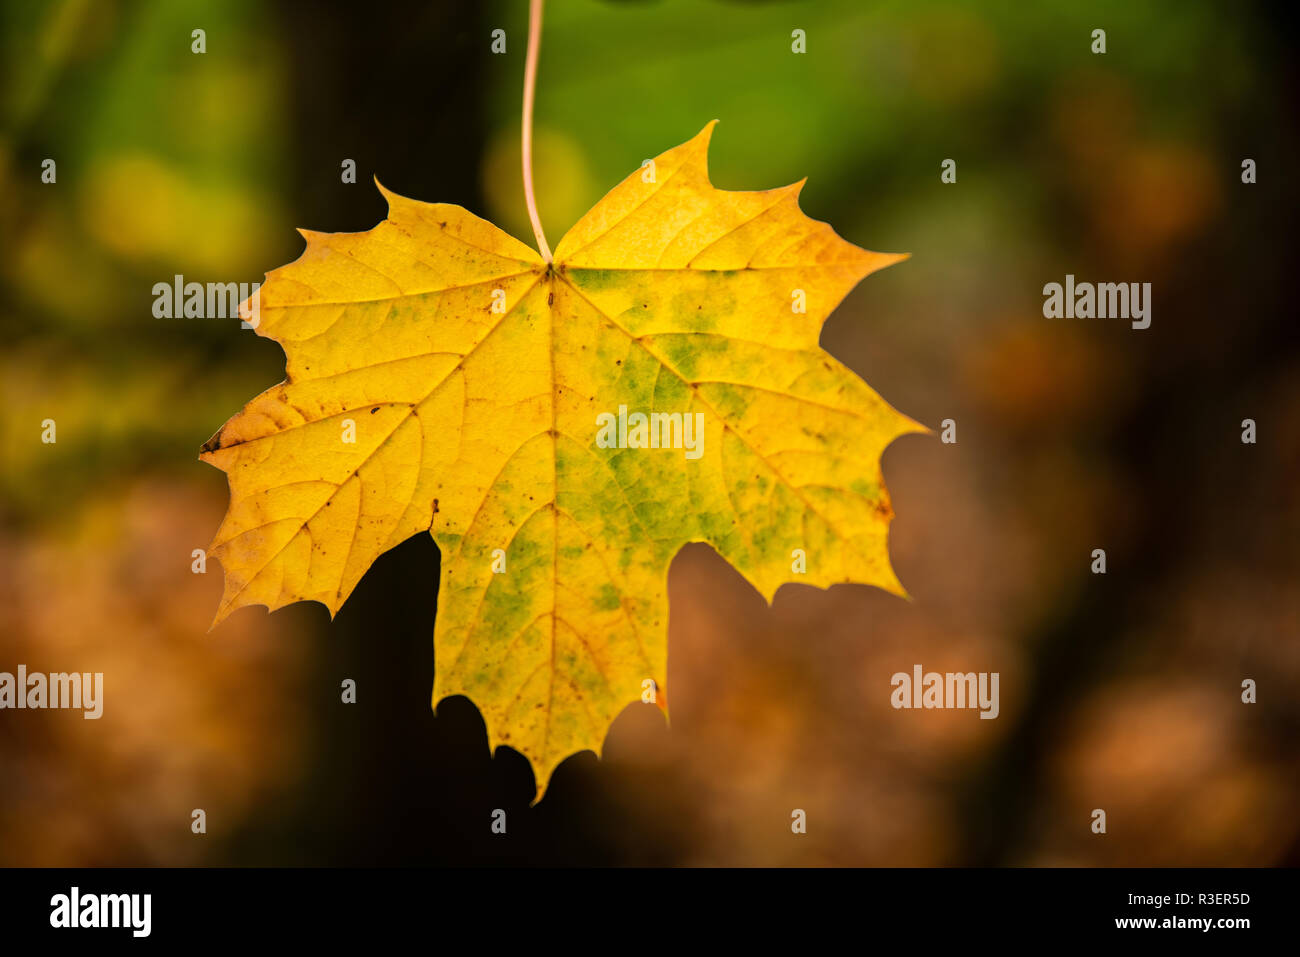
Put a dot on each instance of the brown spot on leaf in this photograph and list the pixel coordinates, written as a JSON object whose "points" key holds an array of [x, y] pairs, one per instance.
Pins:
{"points": [[214, 443]]}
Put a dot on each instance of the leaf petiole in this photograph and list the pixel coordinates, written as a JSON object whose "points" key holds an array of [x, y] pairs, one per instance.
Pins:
{"points": [[530, 86]]}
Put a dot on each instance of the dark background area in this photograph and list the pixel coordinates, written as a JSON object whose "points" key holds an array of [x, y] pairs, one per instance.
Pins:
{"points": [[1119, 691]]}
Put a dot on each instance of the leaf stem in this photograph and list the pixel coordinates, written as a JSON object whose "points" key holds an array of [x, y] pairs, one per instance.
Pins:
{"points": [[530, 86]]}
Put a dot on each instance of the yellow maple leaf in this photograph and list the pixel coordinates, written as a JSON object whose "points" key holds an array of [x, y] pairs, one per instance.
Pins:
{"points": [[442, 376]]}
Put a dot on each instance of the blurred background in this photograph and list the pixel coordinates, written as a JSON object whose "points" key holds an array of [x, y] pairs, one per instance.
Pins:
{"points": [[1120, 692]]}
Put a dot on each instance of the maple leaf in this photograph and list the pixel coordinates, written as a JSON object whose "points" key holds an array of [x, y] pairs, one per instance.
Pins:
{"points": [[475, 378]]}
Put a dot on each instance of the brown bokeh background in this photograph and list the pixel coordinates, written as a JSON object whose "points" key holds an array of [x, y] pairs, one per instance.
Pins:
{"points": [[1120, 692]]}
